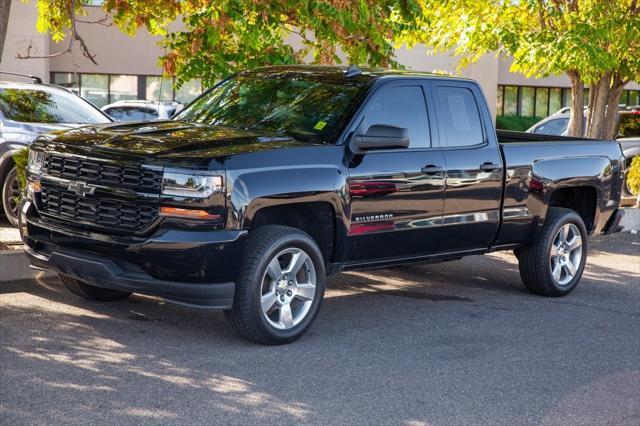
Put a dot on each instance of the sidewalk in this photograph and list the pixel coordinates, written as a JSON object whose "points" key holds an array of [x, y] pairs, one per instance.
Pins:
{"points": [[9, 236]]}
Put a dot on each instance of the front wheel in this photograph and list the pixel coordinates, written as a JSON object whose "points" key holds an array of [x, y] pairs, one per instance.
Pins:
{"points": [[553, 264], [280, 288]]}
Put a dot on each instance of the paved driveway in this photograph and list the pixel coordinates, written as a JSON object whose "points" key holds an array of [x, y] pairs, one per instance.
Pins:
{"points": [[454, 343]]}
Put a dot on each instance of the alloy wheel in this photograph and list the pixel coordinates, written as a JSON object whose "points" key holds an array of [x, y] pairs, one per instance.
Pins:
{"points": [[566, 254], [288, 288]]}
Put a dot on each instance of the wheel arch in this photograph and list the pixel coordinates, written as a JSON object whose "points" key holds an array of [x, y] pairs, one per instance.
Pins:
{"points": [[581, 199], [316, 218]]}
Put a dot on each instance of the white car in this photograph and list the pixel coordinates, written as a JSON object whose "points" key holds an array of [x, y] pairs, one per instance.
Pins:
{"points": [[133, 110]]}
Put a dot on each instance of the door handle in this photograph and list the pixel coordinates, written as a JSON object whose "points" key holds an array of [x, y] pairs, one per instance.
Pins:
{"points": [[431, 169], [489, 167]]}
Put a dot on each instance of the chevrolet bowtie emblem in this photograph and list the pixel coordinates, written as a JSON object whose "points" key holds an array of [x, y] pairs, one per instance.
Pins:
{"points": [[81, 189]]}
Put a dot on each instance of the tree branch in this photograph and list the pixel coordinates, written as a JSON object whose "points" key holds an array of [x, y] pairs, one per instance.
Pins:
{"points": [[73, 37]]}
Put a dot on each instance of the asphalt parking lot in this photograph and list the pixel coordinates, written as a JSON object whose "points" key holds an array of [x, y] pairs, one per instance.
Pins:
{"points": [[453, 343]]}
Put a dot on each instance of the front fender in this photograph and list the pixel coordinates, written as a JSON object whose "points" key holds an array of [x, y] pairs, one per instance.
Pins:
{"points": [[289, 176]]}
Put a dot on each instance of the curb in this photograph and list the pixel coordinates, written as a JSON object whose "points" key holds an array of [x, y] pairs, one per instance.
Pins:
{"points": [[630, 222], [14, 266]]}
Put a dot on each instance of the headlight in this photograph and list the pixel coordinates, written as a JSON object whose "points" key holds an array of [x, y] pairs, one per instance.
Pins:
{"points": [[192, 185], [36, 159]]}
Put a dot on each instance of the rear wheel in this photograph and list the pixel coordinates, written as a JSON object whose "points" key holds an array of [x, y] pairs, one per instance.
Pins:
{"points": [[11, 196], [90, 292], [280, 288], [553, 264]]}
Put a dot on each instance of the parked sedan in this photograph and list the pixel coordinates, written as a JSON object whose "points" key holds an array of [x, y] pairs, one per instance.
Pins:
{"points": [[133, 110], [26, 111]]}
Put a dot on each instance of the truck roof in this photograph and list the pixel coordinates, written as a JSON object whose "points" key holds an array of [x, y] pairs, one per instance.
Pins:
{"points": [[342, 74]]}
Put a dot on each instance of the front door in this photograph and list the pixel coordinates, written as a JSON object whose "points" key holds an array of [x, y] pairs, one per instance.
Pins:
{"points": [[397, 195]]}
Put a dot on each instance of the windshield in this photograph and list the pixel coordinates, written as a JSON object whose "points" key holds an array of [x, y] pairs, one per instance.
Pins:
{"points": [[305, 109], [45, 105]]}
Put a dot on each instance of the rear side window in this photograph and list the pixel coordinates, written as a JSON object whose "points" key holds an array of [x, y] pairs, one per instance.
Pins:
{"points": [[401, 106], [459, 116], [555, 127]]}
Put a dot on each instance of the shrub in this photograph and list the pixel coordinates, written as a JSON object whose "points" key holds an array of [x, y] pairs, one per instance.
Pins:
{"points": [[633, 178], [20, 158], [515, 123]]}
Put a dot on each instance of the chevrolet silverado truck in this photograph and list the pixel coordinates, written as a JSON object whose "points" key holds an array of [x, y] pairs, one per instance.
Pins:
{"points": [[280, 176]]}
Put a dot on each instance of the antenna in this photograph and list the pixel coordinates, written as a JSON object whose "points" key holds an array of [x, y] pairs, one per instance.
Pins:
{"points": [[352, 71], [34, 78]]}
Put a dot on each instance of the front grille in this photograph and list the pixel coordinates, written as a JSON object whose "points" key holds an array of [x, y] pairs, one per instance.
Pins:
{"points": [[103, 173], [116, 214]]}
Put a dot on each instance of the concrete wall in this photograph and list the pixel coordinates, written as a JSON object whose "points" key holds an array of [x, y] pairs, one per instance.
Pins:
{"points": [[21, 33], [116, 53]]}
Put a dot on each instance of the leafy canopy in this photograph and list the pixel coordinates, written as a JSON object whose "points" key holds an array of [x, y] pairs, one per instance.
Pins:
{"points": [[545, 37], [216, 38]]}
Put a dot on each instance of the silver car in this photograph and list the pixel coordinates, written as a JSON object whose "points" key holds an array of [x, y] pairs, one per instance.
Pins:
{"points": [[133, 110]]}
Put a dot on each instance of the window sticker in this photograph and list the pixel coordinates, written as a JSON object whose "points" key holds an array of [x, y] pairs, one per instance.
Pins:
{"points": [[320, 125]]}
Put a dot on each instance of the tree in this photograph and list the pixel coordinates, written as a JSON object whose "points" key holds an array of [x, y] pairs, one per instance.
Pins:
{"points": [[596, 43], [5, 9], [219, 37]]}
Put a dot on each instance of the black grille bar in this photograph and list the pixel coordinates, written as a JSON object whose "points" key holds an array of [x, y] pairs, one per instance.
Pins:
{"points": [[122, 215], [104, 173]]}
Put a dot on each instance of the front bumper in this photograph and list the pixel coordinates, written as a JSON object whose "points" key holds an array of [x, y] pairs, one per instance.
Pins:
{"points": [[197, 268]]}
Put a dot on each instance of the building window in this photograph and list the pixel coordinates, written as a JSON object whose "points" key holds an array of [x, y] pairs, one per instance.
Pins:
{"points": [[510, 100], [159, 88], [555, 99], [95, 88], [103, 89], [68, 80], [542, 102], [189, 91], [123, 87], [527, 97], [530, 101]]}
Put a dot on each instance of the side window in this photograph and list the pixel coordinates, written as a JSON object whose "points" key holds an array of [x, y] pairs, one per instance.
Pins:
{"points": [[553, 127], [401, 106], [459, 116], [150, 114], [115, 113]]}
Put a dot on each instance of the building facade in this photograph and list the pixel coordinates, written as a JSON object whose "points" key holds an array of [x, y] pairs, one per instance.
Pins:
{"points": [[128, 68]]}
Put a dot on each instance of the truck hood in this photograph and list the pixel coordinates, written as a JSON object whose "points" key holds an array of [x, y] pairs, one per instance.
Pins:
{"points": [[169, 139]]}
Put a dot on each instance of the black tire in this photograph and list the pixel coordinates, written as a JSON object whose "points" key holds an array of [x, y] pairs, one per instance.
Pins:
{"points": [[535, 259], [11, 196], [91, 292], [263, 245]]}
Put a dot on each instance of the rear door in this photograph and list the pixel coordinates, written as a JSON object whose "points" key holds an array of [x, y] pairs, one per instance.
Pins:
{"points": [[473, 197], [397, 195]]}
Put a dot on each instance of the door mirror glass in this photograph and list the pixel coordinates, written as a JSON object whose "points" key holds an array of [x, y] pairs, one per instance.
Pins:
{"points": [[380, 136]]}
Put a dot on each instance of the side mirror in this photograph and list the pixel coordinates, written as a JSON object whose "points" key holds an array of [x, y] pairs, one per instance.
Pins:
{"points": [[380, 136]]}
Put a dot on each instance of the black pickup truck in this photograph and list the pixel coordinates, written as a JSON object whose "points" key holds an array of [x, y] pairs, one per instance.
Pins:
{"points": [[279, 176]]}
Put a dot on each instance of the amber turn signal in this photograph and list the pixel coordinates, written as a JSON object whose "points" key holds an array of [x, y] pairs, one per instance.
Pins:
{"points": [[188, 213]]}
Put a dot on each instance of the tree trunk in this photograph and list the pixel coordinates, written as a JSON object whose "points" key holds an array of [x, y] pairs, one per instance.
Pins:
{"points": [[5, 8], [599, 98], [577, 104], [613, 117]]}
